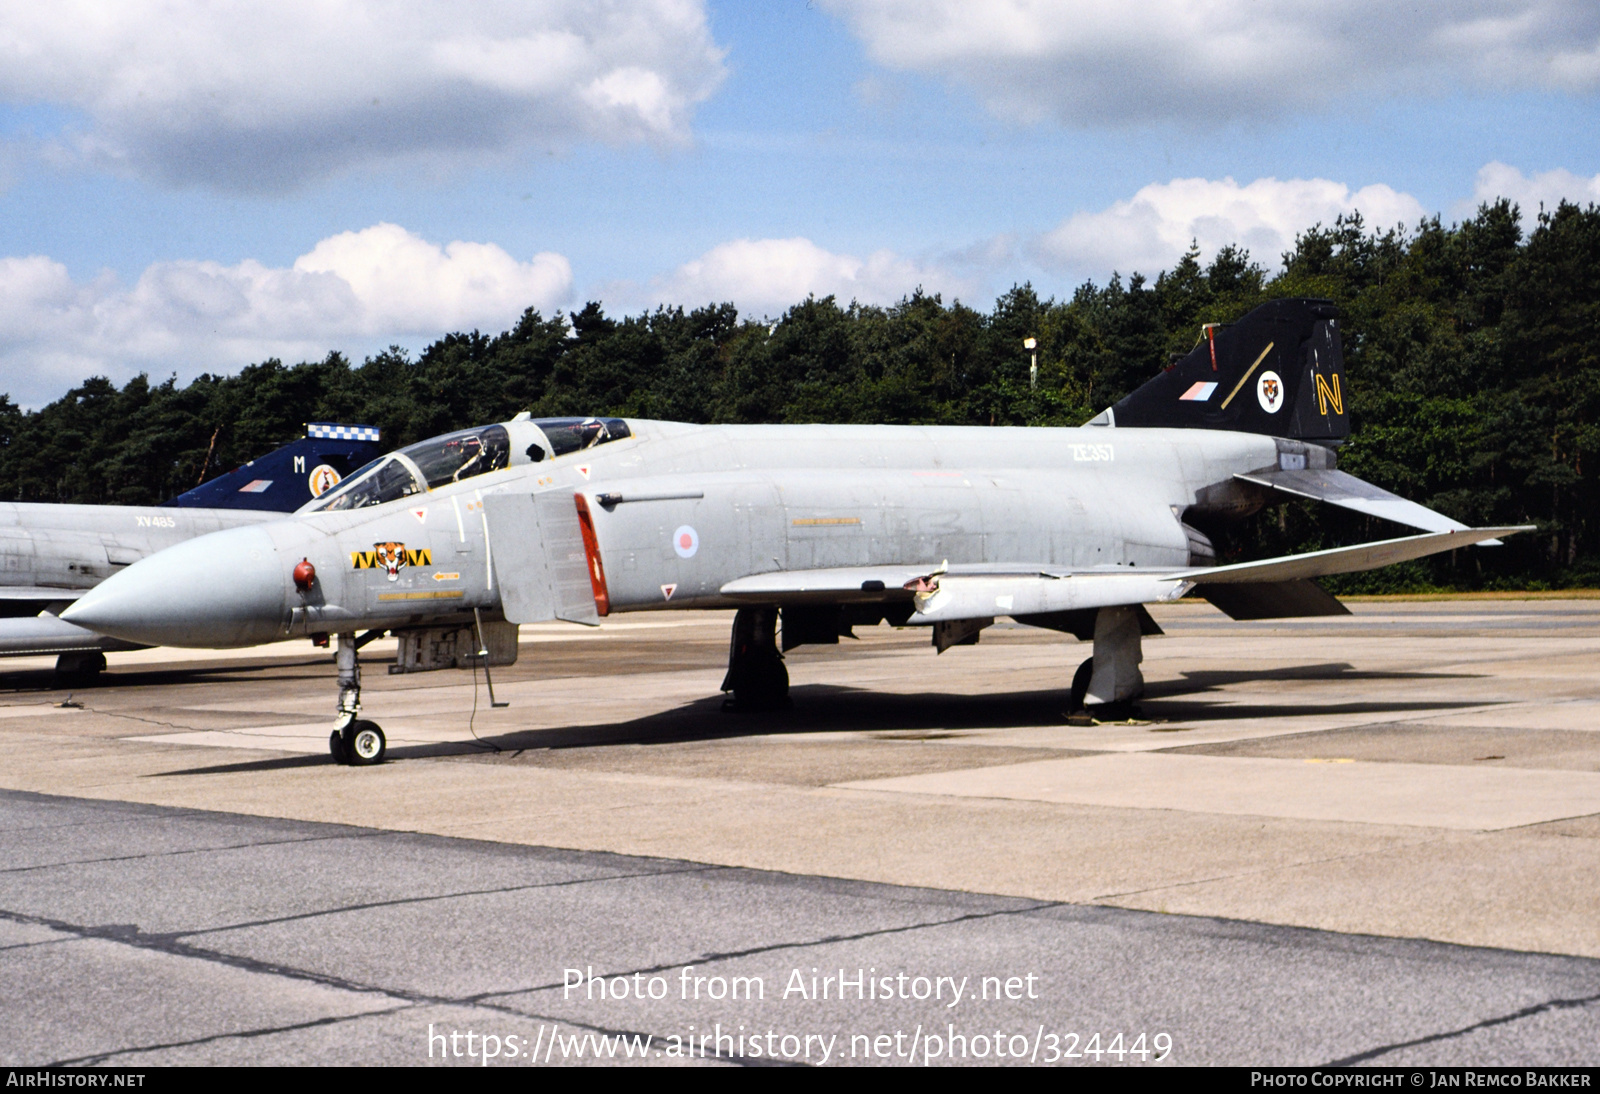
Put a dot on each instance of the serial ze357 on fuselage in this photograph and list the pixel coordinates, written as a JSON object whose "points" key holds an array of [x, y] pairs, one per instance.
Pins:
{"points": [[452, 542]]}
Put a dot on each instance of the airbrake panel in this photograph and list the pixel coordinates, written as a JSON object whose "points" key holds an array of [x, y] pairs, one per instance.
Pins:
{"points": [[539, 560]]}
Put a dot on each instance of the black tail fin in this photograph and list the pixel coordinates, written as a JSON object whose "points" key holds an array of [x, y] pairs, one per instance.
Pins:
{"points": [[1278, 371], [284, 480]]}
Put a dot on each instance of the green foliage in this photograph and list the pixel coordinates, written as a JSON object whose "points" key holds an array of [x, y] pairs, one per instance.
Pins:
{"points": [[1472, 353]]}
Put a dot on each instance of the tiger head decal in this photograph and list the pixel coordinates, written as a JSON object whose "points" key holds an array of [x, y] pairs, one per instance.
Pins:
{"points": [[1269, 392], [391, 556]]}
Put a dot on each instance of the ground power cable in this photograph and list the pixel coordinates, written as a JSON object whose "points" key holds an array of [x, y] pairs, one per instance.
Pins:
{"points": [[483, 652]]}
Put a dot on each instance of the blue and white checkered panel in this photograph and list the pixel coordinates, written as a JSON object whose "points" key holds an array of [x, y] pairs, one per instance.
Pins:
{"points": [[337, 432]]}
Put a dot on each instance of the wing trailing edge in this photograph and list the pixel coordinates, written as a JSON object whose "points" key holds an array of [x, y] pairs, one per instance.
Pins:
{"points": [[1346, 560]]}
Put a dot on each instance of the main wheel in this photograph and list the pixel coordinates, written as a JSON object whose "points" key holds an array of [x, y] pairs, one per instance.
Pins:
{"points": [[336, 748], [364, 743], [1080, 686], [79, 670], [765, 687]]}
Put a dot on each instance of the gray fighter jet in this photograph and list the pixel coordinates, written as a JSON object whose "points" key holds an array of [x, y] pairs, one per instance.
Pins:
{"points": [[52, 554], [453, 542]]}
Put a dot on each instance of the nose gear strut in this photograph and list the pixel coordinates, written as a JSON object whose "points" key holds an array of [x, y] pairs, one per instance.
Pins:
{"points": [[354, 740]]}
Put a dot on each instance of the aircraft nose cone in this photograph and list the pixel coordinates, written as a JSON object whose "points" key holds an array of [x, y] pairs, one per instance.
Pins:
{"points": [[224, 589]]}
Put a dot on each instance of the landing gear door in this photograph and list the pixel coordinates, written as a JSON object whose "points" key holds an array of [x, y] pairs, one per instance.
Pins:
{"points": [[539, 559]]}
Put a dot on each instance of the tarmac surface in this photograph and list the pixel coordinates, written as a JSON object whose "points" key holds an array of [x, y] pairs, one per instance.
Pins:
{"points": [[1370, 839]]}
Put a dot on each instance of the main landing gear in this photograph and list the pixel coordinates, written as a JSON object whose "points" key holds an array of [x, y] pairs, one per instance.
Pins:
{"points": [[1107, 684], [354, 740], [756, 674], [79, 669]]}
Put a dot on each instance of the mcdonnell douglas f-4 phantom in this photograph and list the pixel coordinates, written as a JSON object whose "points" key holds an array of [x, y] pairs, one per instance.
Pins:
{"points": [[826, 527]]}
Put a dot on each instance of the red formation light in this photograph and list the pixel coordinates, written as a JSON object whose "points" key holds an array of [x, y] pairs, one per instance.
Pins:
{"points": [[305, 575]]}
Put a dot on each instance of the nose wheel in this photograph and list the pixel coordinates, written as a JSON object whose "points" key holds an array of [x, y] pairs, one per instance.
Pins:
{"points": [[354, 741], [359, 744]]}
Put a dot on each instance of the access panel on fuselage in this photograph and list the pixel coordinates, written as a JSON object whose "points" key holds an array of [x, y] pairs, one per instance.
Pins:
{"points": [[853, 518]]}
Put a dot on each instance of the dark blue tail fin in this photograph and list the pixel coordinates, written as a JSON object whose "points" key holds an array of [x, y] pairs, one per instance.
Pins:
{"points": [[285, 480], [1278, 371]]}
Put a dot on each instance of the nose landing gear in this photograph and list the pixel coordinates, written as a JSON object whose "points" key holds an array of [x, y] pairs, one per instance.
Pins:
{"points": [[354, 740]]}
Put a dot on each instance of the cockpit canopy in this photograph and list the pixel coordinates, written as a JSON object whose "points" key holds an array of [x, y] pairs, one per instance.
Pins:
{"points": [[573, 434], [467, 453]]}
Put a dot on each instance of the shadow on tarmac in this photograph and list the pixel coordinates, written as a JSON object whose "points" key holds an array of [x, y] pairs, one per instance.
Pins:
{"points": [[1211, 679], [36, 680], [834, 709]]}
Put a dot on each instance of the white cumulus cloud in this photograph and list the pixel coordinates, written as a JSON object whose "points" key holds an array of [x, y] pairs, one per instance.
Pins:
{"points": [[259, 95], [1111, 61], [1151, 230], [354, 289], [1548, 189], [405, 283], [769, 276]]}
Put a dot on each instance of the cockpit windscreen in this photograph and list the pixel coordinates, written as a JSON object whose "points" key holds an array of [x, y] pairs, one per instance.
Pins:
{"points": [[384, 479], [457, 456]]}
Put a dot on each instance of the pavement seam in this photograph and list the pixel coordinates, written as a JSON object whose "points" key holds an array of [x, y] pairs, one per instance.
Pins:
{"points": [[1293, 735], [41, 942], [729, 955], [177, 811], [1552, 820], [1504, 1019], [334, 1020], [409, 1001], [187, 851], [402, 901], [1401, 846], [150, 721], [132, 936], [264, 1031]]}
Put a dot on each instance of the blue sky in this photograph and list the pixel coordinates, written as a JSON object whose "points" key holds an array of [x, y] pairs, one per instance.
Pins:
{"points": [[189, 189]]}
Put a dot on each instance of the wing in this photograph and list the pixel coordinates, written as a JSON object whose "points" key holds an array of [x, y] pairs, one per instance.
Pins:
{"points": [[943, 594], [44, 594], [1347, 560]]}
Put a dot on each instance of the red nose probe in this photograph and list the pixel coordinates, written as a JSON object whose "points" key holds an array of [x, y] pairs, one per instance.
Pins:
{"points": [[305, 575]]}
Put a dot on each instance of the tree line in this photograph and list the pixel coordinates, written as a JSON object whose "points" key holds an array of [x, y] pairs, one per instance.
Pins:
{"points": [[1472, 354]]}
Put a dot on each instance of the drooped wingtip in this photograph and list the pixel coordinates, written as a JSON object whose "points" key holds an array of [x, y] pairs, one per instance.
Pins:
{"points": [[1507, 531]]}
